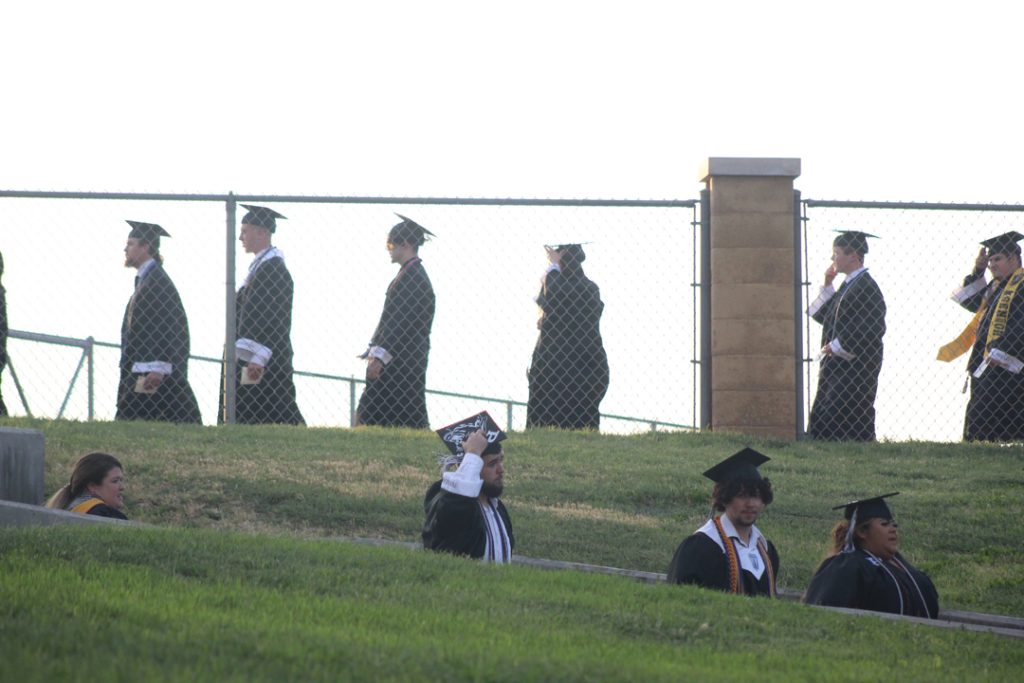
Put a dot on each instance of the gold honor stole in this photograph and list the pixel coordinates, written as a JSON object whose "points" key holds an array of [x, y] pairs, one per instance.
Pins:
{"points": [[84, 507], [965, 341], [733, 561]]}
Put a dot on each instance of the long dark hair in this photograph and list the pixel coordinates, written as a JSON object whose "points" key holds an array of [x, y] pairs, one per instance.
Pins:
{"points": [[91, 468]]}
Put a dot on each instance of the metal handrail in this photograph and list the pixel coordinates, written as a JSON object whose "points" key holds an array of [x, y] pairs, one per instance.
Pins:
{"points": [[89, 343]]}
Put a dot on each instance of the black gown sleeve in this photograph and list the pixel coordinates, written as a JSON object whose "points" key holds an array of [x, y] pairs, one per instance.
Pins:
{"points": [[266, 315], [699, 561], [838, 582], [408, 314], [452, 523]]}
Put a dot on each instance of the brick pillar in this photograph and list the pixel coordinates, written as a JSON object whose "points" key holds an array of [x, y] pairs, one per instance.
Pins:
{"points": [[753, 288]]}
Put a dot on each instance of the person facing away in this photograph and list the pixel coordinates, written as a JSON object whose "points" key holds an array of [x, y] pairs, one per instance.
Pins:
{"points": [[853, 324], [568, 374], [3, 333], [463, 510], [995, 338], [265, 390], [865, 569], [729, 552], [154, 338], [96, 488], [396, 359]]}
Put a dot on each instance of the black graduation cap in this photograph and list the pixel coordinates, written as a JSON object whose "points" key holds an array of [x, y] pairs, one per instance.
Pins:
{"points": [[853, 239], [868, 508], [454, 434], [261, 216], [571, 252], [742, 464], [409, 231], [150, 232], [1004, 244]]}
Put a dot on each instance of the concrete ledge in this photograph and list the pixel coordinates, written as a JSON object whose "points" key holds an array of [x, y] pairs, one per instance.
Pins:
{"points": [[21, 465], [20, 514], [749, 166]]}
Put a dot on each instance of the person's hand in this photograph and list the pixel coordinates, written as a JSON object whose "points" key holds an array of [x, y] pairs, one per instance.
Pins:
{"points": [[830, 274], [981, 262], [373, 369], [152, 381], [826, 350], [475, 442], [255, 371], [553, 256]]}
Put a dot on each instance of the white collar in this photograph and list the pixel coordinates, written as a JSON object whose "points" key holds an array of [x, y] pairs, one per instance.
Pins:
{"points": [[145, 268]]}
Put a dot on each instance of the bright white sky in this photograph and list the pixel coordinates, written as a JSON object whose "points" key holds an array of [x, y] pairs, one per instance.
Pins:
{"points": [[881, 100]]}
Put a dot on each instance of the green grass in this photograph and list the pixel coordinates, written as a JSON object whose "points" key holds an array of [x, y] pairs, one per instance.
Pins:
{"points": [[87, 603], [613, 500]]}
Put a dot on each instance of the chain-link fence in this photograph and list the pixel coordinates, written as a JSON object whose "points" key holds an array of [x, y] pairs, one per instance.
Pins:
{"points": [[87, 341], [921, 254]]}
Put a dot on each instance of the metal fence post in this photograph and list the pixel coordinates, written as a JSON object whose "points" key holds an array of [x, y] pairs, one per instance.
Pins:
{"points": [[90, 376], [705, 309], [798, 316], [230, 384]]}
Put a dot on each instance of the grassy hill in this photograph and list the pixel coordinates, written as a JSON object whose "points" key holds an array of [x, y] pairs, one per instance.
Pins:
{"points": [[624, 501], [88, 603]]}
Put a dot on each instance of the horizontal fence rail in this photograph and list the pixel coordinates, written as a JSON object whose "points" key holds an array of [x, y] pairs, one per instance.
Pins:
{"points": [[488, 257]]}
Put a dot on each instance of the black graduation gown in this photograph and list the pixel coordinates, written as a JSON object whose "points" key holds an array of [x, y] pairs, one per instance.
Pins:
{"points": [[844, 406], [568, 375], [859, 580], [263, 313], [107, 511], [995, 411], [398, 397], [454, 524], [700, 561], [155, 328]]}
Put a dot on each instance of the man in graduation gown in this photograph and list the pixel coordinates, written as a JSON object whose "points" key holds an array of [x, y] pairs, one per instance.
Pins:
{"points": [[995, 337], [867, 571], [568, 375], [154, 338], [396, 370], [464, 512], [729, 552], [263, 326], [853, 324]]}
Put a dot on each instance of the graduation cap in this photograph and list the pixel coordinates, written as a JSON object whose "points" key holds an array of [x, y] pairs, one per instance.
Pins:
{"points": [[743, 464], [853, 239], [454, 434], [570, 252], [868, 508], [409, 232], [261, 216], [1004, 244], [147, 232]]}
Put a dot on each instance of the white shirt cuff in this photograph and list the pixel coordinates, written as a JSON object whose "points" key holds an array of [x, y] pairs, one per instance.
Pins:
{"points": [[251, 352], [163, 367], [962, 294], [838, 350], [466, 480], [381, 354], [826, 293]]}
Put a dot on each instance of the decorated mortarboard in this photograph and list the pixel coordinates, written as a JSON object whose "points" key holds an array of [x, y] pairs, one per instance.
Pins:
{"points": [[868, 508], [261, 216], [150, 232], [743, 464], [854, 239], [454, 434], [1004, 244], [408, 231]]}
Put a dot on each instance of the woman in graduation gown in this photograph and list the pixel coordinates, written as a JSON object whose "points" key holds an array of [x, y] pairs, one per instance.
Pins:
{"points": [[866, 570], [568, 375], [96, 488]]}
